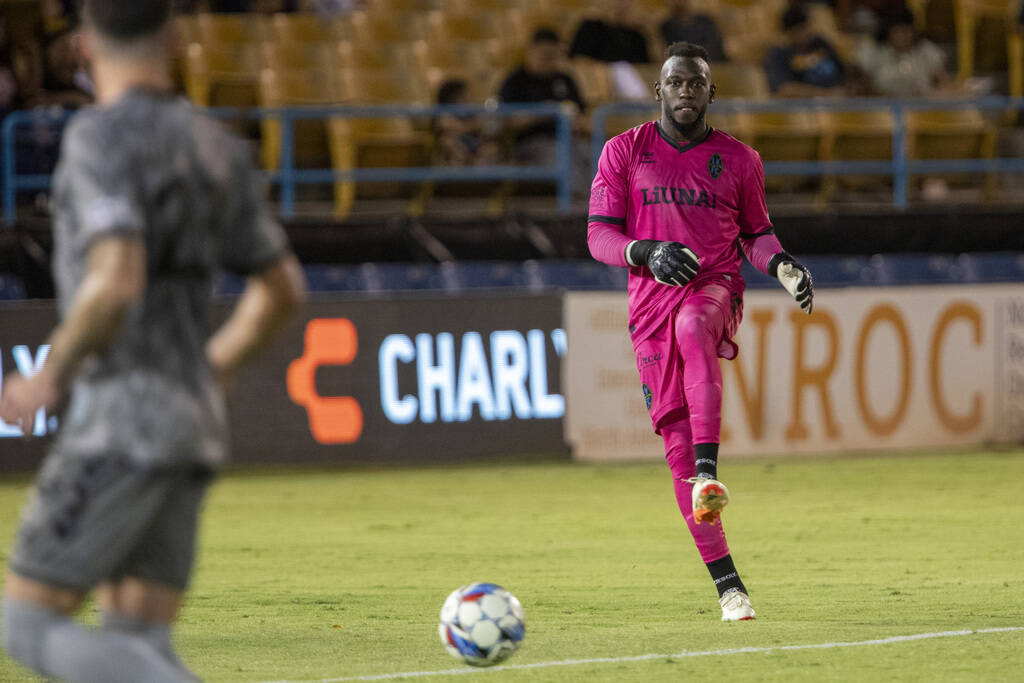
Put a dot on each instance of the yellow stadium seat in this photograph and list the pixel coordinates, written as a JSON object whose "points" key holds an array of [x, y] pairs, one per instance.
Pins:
{"points": [[351, 54], [397, 6], [383, 85], [381, 142], [290, 29], [226, 29], [953, 134], [477, 25], [481, 84], [739, 80], [285, 88], [318, 57], [222, 76], [786, 136], [187, 28], [367, 26], [857, 136], [968, 14], [483, 54], [594, 81]]}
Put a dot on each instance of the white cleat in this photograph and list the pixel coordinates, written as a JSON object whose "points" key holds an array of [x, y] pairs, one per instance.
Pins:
{"points": [[736, 606], [709, 497]]}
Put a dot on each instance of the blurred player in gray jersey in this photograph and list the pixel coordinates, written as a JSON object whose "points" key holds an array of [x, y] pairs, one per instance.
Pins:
{"points": [[151, 198]]}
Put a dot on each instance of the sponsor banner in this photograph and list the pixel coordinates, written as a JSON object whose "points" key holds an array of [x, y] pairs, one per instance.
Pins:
{"points": [[873, 368], [398, 379]]}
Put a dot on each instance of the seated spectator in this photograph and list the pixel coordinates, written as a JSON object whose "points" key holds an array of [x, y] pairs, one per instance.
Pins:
{"points": [[66, 81], [866, 16], [540, 80], [610, 37], [463, 139], [685, 25], [806, 65], [900, 63]]}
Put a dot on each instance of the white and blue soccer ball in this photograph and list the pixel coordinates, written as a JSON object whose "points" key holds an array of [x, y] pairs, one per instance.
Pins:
{"points": [[482, 624]]}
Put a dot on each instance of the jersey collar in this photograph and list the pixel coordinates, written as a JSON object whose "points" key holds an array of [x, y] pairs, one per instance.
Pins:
{"points": [[676, 145]]}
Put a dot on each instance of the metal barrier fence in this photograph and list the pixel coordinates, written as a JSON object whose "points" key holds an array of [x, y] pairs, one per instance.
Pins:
{"points": [[288, 177]]}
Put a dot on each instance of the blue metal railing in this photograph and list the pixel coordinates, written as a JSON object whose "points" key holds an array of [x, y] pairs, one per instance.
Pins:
{"points": [[899, 167], [288, 177]]}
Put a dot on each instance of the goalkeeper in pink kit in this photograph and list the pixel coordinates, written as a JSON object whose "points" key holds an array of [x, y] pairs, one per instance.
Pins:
{"points": [[680, 204]]}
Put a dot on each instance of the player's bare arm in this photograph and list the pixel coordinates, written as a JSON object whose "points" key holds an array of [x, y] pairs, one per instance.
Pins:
{"points": [[115, 279], [270, 298]]}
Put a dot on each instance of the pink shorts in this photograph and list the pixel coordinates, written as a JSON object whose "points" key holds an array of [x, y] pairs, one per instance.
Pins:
{"points": [[659, 358]]}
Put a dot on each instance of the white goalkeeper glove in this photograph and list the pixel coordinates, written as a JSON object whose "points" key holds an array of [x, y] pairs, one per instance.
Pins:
{"points": [[795, 278]]}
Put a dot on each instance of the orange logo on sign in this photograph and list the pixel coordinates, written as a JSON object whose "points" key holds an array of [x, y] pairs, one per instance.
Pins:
{"points": [[332, 419]]}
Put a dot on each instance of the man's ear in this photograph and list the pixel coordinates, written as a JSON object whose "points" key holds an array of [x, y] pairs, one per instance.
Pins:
{"points": [[657, 91], [711, 93]]}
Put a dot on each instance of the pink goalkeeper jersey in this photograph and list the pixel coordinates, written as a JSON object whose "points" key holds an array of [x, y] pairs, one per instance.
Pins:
{"points": [[709, 195]]}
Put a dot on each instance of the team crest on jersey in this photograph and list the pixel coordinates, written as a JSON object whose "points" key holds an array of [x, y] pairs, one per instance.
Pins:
{"points": [[648, 396], [715, 166]]}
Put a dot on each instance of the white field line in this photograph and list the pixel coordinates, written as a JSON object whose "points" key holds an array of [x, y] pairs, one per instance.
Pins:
{"points": [[641, 658]]}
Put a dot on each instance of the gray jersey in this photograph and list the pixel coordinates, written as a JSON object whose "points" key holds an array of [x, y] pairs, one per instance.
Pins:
{"points": [[152, 166]]}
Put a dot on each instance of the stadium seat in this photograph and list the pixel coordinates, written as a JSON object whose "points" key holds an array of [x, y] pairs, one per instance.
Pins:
{"points": [[740, 80], [293, 29], [363, 55], [222, 76], [1015, 59], [381, 142], [594, 80], [312, 56], [405, 27], [786, 136], [968, 14], [856, 136], [952, 134], [384, 85], [228, 29], [286, 88], [11, 288], [458, 54]]}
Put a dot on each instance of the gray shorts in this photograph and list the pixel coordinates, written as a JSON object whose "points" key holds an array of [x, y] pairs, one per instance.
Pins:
{"points": [[96, 518]]}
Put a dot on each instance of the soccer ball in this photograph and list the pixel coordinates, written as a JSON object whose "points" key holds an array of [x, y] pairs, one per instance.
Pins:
{"points": [[482, 624]]}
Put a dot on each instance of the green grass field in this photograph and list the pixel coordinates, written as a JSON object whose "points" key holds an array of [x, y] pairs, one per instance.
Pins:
{"points": [[332, 574]]}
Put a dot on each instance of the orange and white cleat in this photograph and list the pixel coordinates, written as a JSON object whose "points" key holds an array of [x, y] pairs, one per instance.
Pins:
{"points": [[736, 606], [709, 497]]}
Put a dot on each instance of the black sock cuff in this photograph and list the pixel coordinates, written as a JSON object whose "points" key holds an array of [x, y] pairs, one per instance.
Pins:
{"points": [[724, 574], [706, 459]]}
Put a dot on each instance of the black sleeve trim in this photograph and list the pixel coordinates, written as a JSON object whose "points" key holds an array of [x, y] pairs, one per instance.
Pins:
{"points": [[606, 219], [752, 235]]}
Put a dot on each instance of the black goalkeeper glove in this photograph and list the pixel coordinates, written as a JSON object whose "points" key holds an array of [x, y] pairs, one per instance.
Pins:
{"points": [[671, 263], [795, 278]]}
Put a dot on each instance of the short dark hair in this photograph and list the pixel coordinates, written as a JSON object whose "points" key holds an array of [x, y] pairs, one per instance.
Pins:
{"points": [[126, 21], [686, 50], [793, 17], [544, 35]]}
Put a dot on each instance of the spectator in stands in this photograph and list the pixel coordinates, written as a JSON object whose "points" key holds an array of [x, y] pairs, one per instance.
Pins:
{"points": [[866, 16], [610, 36], [685, 25], [462, 139], [66, 81], [539, 79], [806, 65], [900, 63]]}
